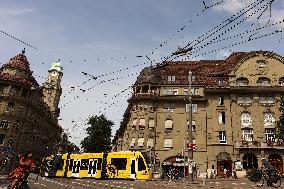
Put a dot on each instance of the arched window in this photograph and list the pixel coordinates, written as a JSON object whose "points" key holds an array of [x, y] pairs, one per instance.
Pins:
{"points": [[169, 125], [261, 63], [269, 119], [246, 120], [242, 81], [263, 81], [281, 81]]}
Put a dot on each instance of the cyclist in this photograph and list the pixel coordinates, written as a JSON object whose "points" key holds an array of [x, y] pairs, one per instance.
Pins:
{"points": [[268, 169], [25, 165]]}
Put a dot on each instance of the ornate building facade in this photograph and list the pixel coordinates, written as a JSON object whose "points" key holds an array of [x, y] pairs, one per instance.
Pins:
{"points": [[28, 111], [235, 107]]}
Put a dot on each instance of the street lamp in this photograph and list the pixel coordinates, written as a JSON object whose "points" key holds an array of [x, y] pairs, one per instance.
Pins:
{"points": [[189, 145]]}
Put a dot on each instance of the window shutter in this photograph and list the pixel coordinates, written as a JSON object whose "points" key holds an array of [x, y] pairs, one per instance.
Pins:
{"points": [[220, 118], [142, 122], [132, 143], [194, 107], [134, 122]]}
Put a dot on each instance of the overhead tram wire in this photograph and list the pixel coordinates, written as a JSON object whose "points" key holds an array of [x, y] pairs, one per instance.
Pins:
{"points": [[207, 32], [238, 43], [181, 29]]}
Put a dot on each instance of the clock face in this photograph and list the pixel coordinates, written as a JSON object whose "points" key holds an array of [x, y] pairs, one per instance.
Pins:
{"points": [[54, 73]]}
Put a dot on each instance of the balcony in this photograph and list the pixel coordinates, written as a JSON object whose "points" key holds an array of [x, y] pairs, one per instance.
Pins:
{"points": [[259, 145]]}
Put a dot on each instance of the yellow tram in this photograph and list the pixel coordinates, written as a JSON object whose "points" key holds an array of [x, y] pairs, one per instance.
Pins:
{"points": [[114, 165]]}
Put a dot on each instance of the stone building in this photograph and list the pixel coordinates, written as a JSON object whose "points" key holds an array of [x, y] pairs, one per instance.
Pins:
{"points": [[234, 112], [28, 111]]}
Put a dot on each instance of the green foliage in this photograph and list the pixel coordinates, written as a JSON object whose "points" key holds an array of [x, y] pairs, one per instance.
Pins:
{"points": [[280, 123], [99, 135]]}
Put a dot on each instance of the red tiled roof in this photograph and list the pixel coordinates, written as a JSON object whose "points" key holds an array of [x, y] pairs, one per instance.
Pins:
{"points": [[206, 72], [20, 62]]}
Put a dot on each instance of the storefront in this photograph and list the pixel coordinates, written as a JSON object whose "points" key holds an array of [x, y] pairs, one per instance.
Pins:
{"points": [[224, 162], [276, 161]]}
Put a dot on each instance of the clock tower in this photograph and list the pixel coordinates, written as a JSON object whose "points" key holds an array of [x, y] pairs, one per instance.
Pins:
{"points": [[52, 89]]}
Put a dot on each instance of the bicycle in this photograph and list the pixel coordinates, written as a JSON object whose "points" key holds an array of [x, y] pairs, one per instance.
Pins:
{"points": [[274, 179], [172, 174]]}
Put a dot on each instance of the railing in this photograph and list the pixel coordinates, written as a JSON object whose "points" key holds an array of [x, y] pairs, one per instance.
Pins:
{"points": [[259, 144]]}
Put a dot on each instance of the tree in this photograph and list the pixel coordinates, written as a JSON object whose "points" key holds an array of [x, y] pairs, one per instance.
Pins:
{"points": [[280, 123], [99, 135], [65, 146]]}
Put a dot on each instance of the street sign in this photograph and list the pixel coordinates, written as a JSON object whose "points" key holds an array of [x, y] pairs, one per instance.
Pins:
{"points": [[192, 147]]}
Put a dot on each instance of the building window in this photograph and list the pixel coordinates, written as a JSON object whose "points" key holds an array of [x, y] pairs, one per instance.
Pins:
{"points": [[16, 126], [194, 108], [142, 124], [246, 120], [193, 125], [266, 100], [4, 124], [242, 82], [169, 107], [21, 108], [246, 100], [194, 91], [261, 63], [168, 143], [270, 134], [221, 118], [281, 81], [269, 120], [247, 134], [171, 78], [222, 137], [134, 123], [220, 101], [170, 91], [140, 142], [151, 123], [220, 82], [10, 106], [2, 137], [169, 125], [150, 143], [132, 143], [10, 141], [263, 81]]}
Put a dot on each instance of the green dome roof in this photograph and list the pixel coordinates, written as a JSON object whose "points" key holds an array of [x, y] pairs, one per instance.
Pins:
{"points": [[56, 66]]}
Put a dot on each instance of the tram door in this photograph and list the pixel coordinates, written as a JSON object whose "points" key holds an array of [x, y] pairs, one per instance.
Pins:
{"points": [[92, 167], [133, 168], [76, 168]]}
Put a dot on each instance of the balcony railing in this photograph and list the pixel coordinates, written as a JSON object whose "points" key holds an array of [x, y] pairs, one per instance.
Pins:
{"points": [[258, 144]]}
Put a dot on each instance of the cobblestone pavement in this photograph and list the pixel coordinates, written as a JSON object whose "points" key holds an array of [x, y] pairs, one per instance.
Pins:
{"points": [[60, 183]]}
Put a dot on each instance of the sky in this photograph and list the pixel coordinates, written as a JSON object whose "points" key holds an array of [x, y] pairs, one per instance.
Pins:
{"points": [[113, 40]]}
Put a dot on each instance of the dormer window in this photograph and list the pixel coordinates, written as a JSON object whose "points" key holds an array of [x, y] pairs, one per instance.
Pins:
{"points": [[261, 63], [220, 82], [242, 82], [263, 81], [171, 78]]}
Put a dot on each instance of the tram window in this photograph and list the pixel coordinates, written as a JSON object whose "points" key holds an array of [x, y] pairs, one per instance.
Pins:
{"points": [[141, 165], [99, 164], [59, 164], [84, 164], [119, 163], [70, 164]]}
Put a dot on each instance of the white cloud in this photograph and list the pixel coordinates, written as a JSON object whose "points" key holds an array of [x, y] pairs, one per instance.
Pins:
{"points": [[232, 6], [223, 54], [19, 11]]}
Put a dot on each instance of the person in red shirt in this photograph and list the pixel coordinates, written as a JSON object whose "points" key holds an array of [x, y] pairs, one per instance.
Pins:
{"points": [[25, 165]]}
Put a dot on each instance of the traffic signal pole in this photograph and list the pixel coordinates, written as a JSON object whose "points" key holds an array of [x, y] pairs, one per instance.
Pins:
{"points": [[190, 150]]}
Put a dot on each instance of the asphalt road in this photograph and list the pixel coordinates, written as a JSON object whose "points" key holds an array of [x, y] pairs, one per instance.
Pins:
{"points": [[60, 183]]}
